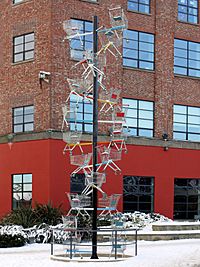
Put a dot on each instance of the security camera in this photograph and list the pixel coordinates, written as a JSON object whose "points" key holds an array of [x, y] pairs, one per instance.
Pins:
{"points": [[44, 75], [165, 137]]}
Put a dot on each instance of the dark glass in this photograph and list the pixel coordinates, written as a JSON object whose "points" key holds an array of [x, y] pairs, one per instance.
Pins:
{"points": [[138, 193], [77, 183], [186, 198]]}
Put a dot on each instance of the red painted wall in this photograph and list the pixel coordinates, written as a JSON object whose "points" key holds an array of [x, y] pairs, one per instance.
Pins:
{"points": [[51, 171]]}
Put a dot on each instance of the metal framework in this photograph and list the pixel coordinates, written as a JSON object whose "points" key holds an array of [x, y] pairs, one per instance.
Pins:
{"points": [[91, 85]]}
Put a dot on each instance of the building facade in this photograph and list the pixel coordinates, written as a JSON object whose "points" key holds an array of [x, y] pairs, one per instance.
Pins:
{"points": [[159, 75]]}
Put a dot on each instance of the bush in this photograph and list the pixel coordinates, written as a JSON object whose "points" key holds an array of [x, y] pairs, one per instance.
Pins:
{"points": [[47, 214], [7, 241], [21, 216], [28, 217]]}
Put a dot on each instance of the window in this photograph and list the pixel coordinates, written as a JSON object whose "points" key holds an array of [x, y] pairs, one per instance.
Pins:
{"points": [[139, 117], [23, 119], [77, 183], [186, 123], [82, 114], [142, 6], [21, 190], [188, 10], [138, 50], [186, 198], [80, 44], [138, 194], [186, 58], [23, 47]]}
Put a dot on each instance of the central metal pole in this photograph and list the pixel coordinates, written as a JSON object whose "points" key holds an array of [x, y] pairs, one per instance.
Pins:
{"points": [[94, 142]]}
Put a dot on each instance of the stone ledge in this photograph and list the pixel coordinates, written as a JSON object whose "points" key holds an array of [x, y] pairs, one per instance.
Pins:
{"points": [[140, 141]]}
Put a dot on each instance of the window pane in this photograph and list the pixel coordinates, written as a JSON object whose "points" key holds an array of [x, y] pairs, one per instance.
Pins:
{"points": [[179, 136], [180, 52], [28, 127], [133, 6], [28, 118], [130, 35], [131, 131], [180, 43], [144, 8], [27, 178], [29, 37], [146, 56], [146, 65], [131, 113], [130, 53], [130, 102], [28, 109], [180, 109], [192, 128], [192, 3], [180, 62], [29, 46], [195, 73], [194, 46], [130, 63], [27, 196], [179, 127], [18, 48], [146, 133], [194, 111], [146, 47], [18, 119], [194, 55], [179, 70], [179, 118], [17, 196], [17, 178], [29, 55], [18, 57], [146, 114], [194, 119], [145, 37], [18, 128], [145, 124], [194, 64], [146, 105], [18, 40], [131, 122], [27, 187]]}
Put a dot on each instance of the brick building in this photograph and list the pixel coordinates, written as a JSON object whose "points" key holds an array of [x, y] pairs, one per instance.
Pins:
{"points": [[159, 77]]}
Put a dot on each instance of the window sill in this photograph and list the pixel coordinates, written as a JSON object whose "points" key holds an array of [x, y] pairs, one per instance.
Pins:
{"points": [[91, 2], [137, 69], [188, 23], [22, 62], [186, 77], [137, 12]]}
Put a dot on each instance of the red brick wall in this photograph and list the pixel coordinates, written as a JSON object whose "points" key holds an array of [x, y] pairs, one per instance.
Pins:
{"points": [[19, 84]]}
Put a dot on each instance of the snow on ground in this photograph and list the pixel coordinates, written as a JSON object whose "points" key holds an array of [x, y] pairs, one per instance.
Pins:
{"points": [[176, 253]]}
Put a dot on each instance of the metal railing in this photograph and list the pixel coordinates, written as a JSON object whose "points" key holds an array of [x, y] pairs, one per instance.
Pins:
{"points": [[76, 244]]}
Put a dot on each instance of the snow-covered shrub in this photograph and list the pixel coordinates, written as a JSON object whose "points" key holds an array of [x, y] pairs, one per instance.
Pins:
{"points": [[8, 240], [140, 219]]}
